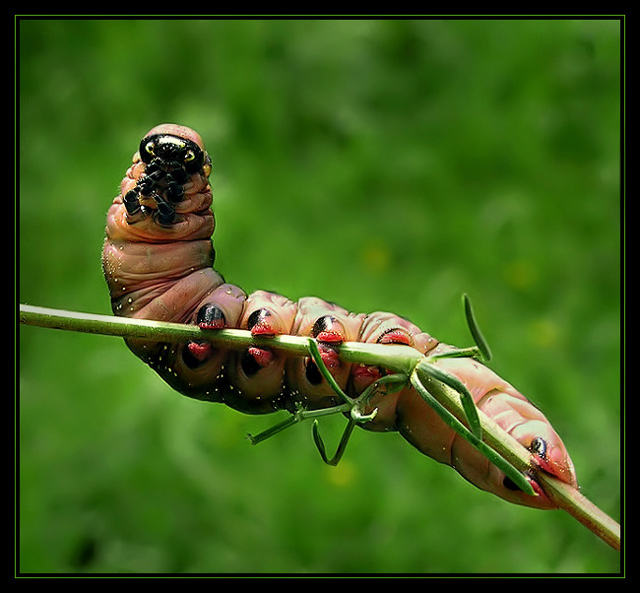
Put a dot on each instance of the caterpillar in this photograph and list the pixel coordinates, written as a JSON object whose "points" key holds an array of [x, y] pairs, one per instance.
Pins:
{"points": [[158, 262]]}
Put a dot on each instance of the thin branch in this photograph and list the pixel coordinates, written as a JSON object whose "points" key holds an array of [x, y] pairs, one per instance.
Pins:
{"points": [[398, 358]]}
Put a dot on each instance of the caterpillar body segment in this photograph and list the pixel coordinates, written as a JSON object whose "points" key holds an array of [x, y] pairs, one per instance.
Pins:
{"points": [[158, 262]]}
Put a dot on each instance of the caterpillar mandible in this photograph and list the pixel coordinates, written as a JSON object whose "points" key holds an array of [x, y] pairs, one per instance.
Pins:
{"points": [[158, 263]]}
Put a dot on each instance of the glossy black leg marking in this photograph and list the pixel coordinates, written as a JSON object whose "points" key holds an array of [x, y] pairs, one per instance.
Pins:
{"points": [[210, 316], [312, 373], [166, 213], [131, 202], [322, 324]]}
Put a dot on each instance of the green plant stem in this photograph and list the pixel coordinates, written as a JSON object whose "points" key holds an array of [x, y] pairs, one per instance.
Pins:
{"points": [[296, 417], [398, 358]]}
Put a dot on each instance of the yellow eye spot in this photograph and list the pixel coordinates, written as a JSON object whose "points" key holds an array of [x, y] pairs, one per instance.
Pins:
{"points": [[189, 156], [149, 146]]}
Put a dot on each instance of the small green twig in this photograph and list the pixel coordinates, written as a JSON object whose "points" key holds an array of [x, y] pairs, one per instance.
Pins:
{"points": [[324, 371], [478, 338], [468, 405], [346, 435], [297, 416]]}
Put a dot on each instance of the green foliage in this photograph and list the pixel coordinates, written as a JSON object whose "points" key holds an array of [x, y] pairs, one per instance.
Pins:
{"points": [[420, 159]]}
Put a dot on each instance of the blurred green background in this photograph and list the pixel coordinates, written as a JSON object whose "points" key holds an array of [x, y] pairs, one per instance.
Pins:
{"points": [[378, 164]]}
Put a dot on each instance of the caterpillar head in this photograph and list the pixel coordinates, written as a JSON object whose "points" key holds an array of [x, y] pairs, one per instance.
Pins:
{"points": [[175, 145]]}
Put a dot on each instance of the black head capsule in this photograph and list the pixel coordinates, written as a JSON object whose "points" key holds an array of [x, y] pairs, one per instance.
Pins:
{"points": [[172, 151]]}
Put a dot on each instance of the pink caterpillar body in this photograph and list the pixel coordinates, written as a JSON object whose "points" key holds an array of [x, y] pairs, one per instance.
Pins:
{"points": [[158, 263]]}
